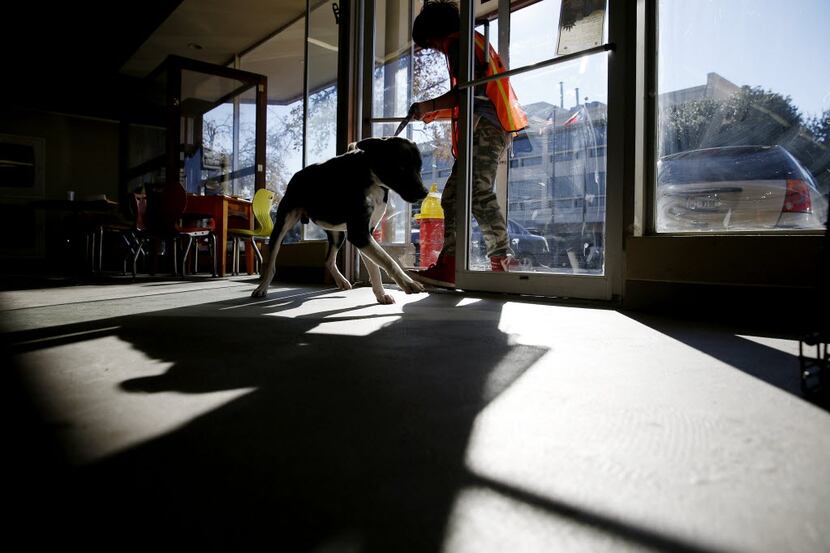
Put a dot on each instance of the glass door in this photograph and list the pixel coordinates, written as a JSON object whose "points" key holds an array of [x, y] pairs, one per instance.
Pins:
{"points": [[542, 193], [390, 86], [536, 210]]}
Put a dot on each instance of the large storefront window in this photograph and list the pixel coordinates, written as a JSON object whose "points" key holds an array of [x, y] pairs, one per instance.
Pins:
{"points": [[301, 64], [281, 59], [743, 116]]}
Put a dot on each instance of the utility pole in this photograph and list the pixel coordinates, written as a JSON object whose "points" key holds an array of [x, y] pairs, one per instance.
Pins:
{"points": [[561, 95], [577, 97]]}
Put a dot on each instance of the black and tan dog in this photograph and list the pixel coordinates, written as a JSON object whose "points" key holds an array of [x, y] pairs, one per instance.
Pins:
{"points": [[346, 196]]}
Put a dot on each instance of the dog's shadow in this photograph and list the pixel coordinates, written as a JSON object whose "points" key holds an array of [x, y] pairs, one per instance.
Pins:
{"points": [[346, 443]]}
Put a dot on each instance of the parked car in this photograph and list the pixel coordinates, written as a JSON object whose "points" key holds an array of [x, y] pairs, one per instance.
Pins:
{"points": [[736, 188], [530, 249]]}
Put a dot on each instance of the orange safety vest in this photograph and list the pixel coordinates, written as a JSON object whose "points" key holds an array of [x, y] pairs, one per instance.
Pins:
{"points": [[510, 113]]}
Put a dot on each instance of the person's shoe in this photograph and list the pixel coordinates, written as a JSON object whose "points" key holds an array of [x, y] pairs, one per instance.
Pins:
{"points": [[504, 263], [441, 273]]}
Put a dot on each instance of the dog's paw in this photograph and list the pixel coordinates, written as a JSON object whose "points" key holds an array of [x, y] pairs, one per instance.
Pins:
{"points": [[259, 292], [385, 299], [411, 287], [344, 285]]}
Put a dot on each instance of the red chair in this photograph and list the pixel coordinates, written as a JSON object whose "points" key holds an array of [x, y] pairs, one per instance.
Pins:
{"points": [[159, 217]]}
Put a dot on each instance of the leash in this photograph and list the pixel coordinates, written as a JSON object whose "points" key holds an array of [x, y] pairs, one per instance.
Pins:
{"points": [[406, 121]]}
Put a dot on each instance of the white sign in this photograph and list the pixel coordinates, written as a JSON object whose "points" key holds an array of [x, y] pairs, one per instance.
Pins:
{"points": [[581, 23]]}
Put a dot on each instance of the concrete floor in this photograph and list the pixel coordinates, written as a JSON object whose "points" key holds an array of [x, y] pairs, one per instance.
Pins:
{"points": [[184, 413]]}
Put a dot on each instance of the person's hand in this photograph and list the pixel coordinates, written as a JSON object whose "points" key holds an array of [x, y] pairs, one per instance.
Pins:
{"points": [[415, 111]]}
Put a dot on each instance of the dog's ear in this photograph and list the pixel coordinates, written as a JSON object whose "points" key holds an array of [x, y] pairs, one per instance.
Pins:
{"points": [[352, 146], [371, 145]]}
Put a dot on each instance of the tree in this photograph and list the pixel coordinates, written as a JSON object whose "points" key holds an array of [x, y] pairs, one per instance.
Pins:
{"points": [[216, 136], [751, 116], [683, 126], [431, 79], [748, 117], [321, 124], [820, 127]]}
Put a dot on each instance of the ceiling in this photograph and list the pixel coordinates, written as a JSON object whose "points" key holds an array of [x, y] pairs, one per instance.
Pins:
{"points": [[212, 31], [84, 57], [88, 57]]}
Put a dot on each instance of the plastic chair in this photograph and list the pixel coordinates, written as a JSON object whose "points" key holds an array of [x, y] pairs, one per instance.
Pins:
{"points": [[263, 200], [158, 216]]}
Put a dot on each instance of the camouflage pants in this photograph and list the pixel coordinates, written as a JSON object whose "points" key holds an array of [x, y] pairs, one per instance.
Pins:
{"points": [[489, 142]]}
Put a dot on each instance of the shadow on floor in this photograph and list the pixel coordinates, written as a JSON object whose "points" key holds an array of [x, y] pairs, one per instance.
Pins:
{"points": [[348, 443], [728, 344]]}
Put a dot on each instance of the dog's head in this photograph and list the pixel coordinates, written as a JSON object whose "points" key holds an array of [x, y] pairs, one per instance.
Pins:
{"points": [[397, 163]]}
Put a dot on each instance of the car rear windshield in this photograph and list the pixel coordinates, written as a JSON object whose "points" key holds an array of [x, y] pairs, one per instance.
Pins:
{"points": [[727, 164]]}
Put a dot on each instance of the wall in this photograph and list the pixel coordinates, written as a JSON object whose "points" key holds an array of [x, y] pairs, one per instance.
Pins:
{"points": [[756, 279], [81, 154]]}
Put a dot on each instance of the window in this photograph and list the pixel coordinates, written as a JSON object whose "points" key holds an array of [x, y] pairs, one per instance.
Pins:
{"points": [[281, 59], [401, 75], [296, 137], [743, 117], [559, 176]]}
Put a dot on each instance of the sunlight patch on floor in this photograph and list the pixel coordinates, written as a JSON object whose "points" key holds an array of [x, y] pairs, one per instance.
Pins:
{"points": [[77, 388], [780, 344], [482, 519], [350, 327]]}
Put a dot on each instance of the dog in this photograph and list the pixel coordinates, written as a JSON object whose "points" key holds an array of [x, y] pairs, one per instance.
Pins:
{"points": [[346, 196]]}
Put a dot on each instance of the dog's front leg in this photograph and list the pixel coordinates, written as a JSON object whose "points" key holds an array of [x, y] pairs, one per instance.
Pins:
{"points": [[376, 280], [375, 253]]}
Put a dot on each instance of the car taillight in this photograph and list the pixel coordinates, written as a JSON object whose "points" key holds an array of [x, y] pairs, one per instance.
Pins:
{"points": [[797, 199]]}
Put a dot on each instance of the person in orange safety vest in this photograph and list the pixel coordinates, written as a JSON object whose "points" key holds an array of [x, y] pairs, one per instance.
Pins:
{"points": [[496, 115]]}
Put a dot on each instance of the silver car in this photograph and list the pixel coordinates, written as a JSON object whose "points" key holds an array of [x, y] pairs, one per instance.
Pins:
{"points": [[736, 188]]}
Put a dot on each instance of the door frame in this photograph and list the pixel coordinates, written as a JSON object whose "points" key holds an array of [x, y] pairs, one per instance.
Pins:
{"points": [[600, 287]]}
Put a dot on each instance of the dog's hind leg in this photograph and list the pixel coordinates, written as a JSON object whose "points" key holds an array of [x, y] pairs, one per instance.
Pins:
{"points": [[286, 219], [376, 280], [336, 239]]}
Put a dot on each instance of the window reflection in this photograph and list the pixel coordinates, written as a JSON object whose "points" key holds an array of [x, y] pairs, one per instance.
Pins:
{"points": [[742, 112], [556, 171]]}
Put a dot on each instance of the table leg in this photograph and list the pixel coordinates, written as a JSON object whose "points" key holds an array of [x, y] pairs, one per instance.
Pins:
{"points": [[249, 258]]}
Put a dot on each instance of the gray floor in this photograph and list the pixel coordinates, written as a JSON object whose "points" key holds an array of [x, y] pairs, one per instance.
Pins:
{"points": [[184, 413]]}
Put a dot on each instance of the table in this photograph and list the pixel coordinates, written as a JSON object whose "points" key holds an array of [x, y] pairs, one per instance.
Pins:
{"points": [[84, 220], [221, 208]]}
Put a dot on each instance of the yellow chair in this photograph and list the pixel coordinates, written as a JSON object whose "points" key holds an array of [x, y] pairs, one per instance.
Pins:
{"points": [[261, 206]]}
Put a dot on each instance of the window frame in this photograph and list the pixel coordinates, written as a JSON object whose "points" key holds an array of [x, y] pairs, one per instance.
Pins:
{"points": [[755, 258]]}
